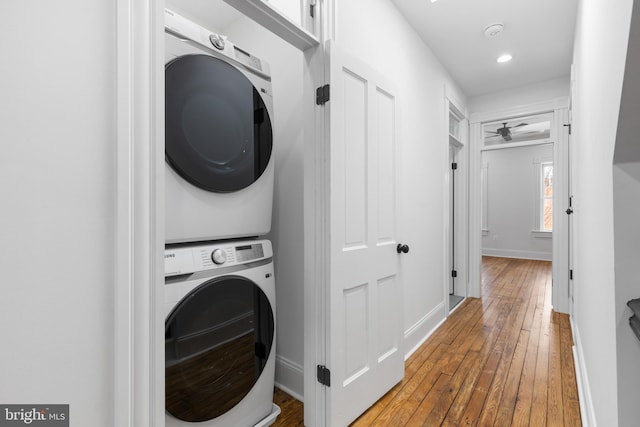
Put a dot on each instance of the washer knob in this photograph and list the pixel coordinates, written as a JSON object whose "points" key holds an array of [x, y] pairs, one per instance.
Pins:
{"points": [[219, 256], [217, 41]]}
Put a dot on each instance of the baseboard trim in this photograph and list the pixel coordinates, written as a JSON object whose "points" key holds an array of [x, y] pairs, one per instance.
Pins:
{"points": [[584, 391], [509, 253], [417, 334], [290, 377]]}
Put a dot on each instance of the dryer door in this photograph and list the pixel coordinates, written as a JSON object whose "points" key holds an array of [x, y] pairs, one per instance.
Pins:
{"points": [[217, 341], [218, 133]]}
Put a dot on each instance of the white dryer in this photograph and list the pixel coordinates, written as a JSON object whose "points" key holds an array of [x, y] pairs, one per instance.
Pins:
{"points": [[220, 335], [218, 136]]}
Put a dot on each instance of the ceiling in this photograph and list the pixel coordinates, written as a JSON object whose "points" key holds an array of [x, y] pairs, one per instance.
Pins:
{"points": [[537, 33]]}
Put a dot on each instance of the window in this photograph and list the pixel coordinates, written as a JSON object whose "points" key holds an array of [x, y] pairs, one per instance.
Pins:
{"points": [[546, 197], [517, 131]]}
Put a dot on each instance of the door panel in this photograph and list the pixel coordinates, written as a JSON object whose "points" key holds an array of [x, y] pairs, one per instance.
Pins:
{"points": [[364, 346]]}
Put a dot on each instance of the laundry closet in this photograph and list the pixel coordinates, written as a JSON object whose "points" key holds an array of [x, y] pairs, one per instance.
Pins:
{"points": [[233, 197]]}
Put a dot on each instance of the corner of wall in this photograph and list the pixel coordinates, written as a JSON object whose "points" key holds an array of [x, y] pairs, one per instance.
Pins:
{"points": [[417, 334], [290, 377]]}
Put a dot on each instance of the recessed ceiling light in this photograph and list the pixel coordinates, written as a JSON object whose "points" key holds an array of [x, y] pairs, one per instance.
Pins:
{"points": [[433, 1], [504, 58]]}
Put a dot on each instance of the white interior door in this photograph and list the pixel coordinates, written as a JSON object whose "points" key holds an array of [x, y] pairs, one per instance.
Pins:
{"points": [[364, 340], [569, 212]]}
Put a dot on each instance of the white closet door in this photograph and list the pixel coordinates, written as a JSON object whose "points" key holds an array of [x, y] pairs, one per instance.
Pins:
{"points": [[365, 333]]}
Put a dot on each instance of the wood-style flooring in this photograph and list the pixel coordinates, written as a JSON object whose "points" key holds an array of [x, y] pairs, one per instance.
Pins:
{"points": [[503, 360]]}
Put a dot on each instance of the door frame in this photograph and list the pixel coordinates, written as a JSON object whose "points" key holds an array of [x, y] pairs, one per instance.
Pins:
{"points": [[461, 198], [138, 349], [138, 257], [559, 134]]}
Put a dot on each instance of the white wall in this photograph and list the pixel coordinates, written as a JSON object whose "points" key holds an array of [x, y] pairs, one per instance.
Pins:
{"points": [[385, 41], [627, 269], [599, 59], [525, 95], [626, 181], [287, 231], [512, 202], [57, 180]]}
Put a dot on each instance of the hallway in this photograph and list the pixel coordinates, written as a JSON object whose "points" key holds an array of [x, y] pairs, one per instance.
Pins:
{"points": [[503, 360]]}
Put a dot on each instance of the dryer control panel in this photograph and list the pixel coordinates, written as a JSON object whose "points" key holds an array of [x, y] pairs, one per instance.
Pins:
{"points": [[191, 259]]}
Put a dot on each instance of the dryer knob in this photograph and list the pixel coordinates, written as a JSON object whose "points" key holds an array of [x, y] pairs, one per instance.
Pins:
{"points": [[217, 41], [219, 256]]}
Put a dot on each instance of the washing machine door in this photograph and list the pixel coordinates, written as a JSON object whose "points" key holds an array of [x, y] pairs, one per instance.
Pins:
{"points": [[217, 341], [218, 133]]}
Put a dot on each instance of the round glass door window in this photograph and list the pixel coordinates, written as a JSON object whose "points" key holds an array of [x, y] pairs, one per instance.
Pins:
{"points": [[218, 133], [217, 341]]}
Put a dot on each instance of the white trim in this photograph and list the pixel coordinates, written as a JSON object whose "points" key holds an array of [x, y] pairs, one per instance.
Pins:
{"points": [[290, 377], [457, 106], [516, 144], [520, 110], [315, 242], [459, 145], [453, 140], [417, 334], [475, 210], [514, 253], [542, 234], [272, 19], [138, 333], [560, 244], [587, 410], [484, 198], [329, 20], [558, 107]]}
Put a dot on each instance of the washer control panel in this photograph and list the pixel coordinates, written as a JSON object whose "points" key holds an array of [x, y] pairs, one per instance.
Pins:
{"points": [[181, 260]]}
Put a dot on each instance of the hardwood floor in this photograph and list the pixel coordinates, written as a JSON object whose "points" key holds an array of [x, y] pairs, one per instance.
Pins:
{"points": [[502, 360], [292, 411]]}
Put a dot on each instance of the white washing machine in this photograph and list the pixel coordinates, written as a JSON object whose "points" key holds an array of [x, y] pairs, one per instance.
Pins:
{"points": [[218, 136], [220, 335]]}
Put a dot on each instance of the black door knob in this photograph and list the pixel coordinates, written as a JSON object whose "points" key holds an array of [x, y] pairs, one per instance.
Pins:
{"points": [[569, 211], [402, 248]]}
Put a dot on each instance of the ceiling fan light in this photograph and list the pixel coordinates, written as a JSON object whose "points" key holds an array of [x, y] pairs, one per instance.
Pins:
{"points": [[493, 30], [504, 58]]}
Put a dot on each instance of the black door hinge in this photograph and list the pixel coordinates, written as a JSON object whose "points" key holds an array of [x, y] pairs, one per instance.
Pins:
{"points": [[454, 166], [568, 125], [454, 273], [312, 10], [322, 95], [324, 375], [571, 274]]}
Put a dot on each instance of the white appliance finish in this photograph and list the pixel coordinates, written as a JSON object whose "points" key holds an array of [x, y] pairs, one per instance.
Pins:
{"points": [[194, 214], [189, 268]]}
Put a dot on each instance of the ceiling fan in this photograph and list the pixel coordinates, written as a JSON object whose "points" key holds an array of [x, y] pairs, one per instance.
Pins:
{"points": [[504, 131]]}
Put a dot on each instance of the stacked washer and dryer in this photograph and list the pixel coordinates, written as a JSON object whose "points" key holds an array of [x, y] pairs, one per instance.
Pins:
{"points": [[219, 280]]}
